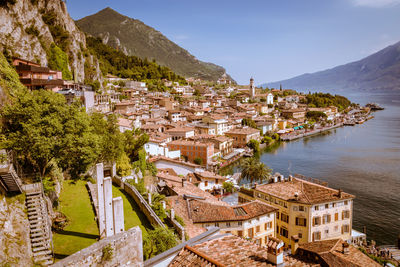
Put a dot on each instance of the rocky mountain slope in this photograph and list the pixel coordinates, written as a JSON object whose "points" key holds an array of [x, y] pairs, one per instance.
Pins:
{"points": [[133, 37], [379, 71], [29, 27]]}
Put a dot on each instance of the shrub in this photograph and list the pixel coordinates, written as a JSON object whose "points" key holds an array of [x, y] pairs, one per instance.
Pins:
{"points": [[108, 253], [32, 30], [179, 220], [58, 60]]}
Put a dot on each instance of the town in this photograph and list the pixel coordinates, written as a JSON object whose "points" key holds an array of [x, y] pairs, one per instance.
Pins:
{"points": [[191, 131]]}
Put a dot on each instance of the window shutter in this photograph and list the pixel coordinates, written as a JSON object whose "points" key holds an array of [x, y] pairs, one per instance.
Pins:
{"points": [[342, 229], [305, 222], [297, 221], [313, 222], [329, 218]]}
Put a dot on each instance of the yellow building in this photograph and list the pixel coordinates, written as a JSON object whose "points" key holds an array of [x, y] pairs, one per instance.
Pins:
{"points": [[311, 211]]}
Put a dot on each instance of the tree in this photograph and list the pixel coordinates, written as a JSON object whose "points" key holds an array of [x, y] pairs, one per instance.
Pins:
{"points": [[255, 145], [157, 241], [198, 161], [134, 141], [254, 170], [124, 165], [39, 126], [228, 186], [110, 138], [249, 122]]}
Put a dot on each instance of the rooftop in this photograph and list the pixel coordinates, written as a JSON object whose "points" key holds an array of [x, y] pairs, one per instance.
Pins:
{"points": [[203, 211], [308, 192], [245, 130]]}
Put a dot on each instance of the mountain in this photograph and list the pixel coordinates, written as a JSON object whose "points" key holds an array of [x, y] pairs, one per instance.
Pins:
{"points": [[133, 37], [379, 71]]}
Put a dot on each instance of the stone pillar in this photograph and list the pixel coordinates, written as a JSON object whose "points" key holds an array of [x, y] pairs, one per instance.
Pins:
{"points": [[172, 214], [164, 205], [118, 212], [114, 169], [108, 209], [149, 198], [100, 198]]}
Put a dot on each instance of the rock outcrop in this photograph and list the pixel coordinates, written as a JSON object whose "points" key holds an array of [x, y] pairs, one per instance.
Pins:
{"points": [[24, 33]]}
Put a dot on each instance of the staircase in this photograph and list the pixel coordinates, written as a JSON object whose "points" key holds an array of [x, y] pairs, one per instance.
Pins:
{"points": [[8, 176], [40, 226]]}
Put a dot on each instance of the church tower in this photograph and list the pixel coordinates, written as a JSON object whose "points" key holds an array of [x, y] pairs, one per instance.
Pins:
{"points": [[252, 88]]}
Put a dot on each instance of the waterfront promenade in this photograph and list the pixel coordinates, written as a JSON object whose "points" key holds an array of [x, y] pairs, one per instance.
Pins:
{"points": [[300, 134]]}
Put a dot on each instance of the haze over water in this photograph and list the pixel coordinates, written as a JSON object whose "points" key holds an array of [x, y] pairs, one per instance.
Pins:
{"points": [[363, 160]]}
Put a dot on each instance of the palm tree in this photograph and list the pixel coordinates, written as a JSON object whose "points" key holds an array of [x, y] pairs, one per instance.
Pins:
{"points": [[255, 171]]}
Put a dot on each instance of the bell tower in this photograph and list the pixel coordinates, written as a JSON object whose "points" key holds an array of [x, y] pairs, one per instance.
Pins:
{"points": [[252, 88]]}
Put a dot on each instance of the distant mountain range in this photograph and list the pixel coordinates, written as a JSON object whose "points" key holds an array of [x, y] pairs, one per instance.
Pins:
{"points": [[133, 37], [379, 71]]}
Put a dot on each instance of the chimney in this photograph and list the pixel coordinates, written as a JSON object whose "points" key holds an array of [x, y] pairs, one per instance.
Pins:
{"points": [[296, 195], [294, 244], [340, 193], [183, 182], [290, 178], [345, 248]]}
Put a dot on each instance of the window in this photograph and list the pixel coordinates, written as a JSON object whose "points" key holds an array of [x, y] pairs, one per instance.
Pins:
{"points": [[333, 205], [326, 206], [267, 225], [205, 183], [345, 228], [316, 221], [284, 232], [326, 218], [216, 224], [301, 208], [284, 218], [316, 236], [257, 229], [239, 223], [346, 202], [228, 224], [316, 208], [327, 231], [301, 221], [300, 235], [250, 232], [345, 214], [336, 216]]}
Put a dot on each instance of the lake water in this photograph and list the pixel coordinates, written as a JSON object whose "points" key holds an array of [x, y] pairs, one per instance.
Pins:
{"points": [[363, 160]]}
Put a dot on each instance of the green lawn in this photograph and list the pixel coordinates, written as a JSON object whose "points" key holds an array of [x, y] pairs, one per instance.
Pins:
{"points": [[132, 214], [82, 230]]}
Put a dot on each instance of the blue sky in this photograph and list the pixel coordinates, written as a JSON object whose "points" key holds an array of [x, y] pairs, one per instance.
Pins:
{"points": [[270, 40]]}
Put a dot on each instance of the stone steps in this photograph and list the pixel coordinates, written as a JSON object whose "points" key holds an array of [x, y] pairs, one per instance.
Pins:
{"points": [[39, 228]]}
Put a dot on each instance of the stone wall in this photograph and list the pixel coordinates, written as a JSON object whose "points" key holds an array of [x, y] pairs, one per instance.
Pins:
{"points": [[140, 201], [126, 250]]}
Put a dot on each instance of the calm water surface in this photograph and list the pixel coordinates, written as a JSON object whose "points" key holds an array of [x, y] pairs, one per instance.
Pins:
{"points": [[363, 160]]}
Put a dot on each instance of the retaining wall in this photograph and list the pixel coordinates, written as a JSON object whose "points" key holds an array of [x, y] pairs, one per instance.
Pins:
{"points": [[126, 250]]}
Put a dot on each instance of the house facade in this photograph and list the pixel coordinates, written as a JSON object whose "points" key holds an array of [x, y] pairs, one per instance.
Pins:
{"points": [[308, 210]]}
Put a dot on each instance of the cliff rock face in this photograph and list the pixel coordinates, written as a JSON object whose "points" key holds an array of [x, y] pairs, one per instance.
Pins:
{"points": [[15, 248], [25, 34]]}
